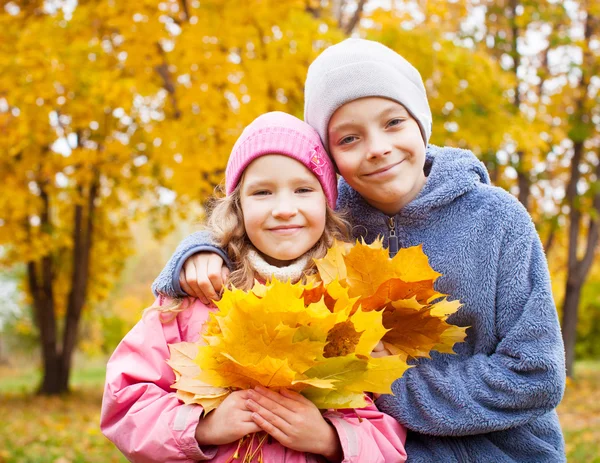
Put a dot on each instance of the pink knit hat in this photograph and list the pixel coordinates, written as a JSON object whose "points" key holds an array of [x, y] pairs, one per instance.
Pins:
{"points": [[281, 133]]}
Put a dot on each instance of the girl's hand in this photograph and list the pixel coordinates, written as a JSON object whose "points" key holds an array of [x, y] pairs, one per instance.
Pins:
{"points": [[295, 422], [203, 276], [229, 422]]}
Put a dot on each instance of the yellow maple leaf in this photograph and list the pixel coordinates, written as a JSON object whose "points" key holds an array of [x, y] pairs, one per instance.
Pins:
{"points": [[190, 390], [370, 325], [380, 374], [402, 287], [230, 372], [337, 398], [333, 265]]}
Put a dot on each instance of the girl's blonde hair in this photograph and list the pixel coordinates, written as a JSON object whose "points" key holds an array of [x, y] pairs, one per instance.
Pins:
{"points": [[226, 225]]}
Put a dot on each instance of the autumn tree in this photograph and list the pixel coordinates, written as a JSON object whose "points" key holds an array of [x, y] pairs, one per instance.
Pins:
{"points": [[578, 99], [111, 110]]}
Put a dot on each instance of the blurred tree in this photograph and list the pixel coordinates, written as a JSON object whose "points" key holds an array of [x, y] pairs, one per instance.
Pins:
{"points": [[578, 99], [111, 110], [520, 35]]}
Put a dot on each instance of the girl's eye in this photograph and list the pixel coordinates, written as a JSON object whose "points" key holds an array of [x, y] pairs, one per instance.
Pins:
{"points": [[304, 190], [394, 122], [261, 193], [347, 140]]}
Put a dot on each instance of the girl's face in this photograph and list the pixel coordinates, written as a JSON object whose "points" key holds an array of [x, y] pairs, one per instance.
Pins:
{"points": [[379, 150], [284, 208]]}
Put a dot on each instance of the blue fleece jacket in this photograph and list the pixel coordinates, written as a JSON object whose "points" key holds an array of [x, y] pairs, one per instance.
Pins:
{"points": [[495, 399]]}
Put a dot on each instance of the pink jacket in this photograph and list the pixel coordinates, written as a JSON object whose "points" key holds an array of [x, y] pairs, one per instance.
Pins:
{"points": [[144, 419]]}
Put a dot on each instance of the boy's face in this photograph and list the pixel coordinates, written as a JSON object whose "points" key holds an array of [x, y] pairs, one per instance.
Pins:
{"points": [[379, 150]]}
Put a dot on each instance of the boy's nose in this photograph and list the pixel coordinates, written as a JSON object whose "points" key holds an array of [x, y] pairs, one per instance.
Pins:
{"points": [[377, 147]]}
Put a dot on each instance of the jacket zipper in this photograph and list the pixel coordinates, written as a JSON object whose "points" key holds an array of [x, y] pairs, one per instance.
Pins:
{"points": [[459, 451], [393, 240]]}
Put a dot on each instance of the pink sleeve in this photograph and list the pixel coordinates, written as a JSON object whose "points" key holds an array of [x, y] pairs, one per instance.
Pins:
{"points": [[140, 413], [375, 437]]}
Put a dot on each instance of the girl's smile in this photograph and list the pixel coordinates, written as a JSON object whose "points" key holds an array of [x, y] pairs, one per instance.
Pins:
{"points": [[286, 229]]}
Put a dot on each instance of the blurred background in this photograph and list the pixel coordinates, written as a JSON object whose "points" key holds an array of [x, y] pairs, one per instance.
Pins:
{"points": [[116, 120]]}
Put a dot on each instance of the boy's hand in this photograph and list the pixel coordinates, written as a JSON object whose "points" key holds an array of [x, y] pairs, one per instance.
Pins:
{"points": [[229, 422], [295, 422], [203, 276], [380, 351]]}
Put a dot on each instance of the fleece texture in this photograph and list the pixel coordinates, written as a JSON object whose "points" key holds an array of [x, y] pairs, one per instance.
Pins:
{"points": [[495, 399]]}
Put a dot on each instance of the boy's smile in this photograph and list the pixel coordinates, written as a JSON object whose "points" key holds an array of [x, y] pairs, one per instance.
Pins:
{"points": [[379, 150], [383, 172]]}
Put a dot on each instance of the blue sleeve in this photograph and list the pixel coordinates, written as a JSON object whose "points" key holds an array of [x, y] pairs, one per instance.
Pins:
{"points": [[167, 283], [522, 379]]}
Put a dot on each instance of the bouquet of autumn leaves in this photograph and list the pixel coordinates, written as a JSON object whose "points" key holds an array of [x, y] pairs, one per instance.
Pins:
{"points": [[316, 338]]}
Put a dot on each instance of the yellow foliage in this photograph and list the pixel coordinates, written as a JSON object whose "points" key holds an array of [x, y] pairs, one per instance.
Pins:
{"points": [[317, 338], [402, 287], [141, 98]]}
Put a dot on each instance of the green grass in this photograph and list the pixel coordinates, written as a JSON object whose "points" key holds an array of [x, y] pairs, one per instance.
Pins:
{"points": [[54, 429], [39, 429], [579, 414], [26, 379], [65, 429]]}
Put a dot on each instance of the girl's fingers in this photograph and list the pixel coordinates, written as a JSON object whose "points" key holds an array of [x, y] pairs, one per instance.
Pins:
{"points": [[251, 426], [269, 427], [267, 396], [293, 395], [270, 410]]}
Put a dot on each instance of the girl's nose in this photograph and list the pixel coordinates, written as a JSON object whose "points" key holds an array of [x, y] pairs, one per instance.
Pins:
{"points": [[284, 209]]}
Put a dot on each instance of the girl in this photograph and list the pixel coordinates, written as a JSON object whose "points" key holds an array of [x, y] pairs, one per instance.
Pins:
{"points": [[276, 216], [495, 400]]}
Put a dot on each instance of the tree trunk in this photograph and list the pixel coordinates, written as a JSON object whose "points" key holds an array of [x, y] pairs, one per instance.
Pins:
{"points": [[524, 182], [3, 357], [82, 245], [569, 321], [40, 276], [353, 22], [57, 359], [523, 179], [578, 269]]}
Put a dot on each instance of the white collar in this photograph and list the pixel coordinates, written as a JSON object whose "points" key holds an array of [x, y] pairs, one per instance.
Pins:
{"points": [[267, 271]]}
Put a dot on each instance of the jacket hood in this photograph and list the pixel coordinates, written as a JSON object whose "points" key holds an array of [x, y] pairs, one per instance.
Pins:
{"points": [[451, 172]]}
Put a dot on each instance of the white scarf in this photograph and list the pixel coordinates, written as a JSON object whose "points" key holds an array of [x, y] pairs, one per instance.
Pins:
{"points": [[267, 271]]}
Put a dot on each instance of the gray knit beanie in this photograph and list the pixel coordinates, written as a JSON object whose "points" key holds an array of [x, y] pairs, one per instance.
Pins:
{"points": [[358, 68]]}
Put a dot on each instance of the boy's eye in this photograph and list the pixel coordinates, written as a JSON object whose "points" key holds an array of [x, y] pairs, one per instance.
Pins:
{"points": [[347, 140], [394, 122]]}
